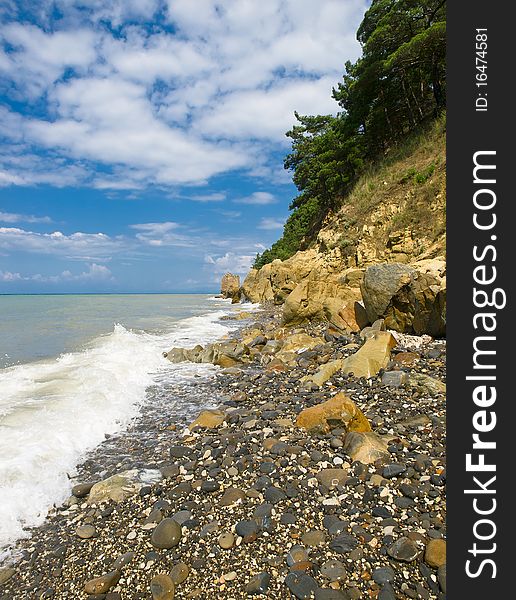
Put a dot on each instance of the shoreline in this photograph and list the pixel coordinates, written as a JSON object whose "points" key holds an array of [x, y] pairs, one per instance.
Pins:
{"points": [[264, 487]]}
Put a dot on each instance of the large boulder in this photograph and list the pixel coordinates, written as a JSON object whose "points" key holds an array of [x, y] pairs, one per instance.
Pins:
{"points": [[230, 287], [339, 411], [116, 488], [276, 281], [372, 356], [366, 362], [319, 297], [411, 298], [365, 447], [224, 354], [209, 419]]}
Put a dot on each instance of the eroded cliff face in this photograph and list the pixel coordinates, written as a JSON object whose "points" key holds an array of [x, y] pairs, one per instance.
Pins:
{"points": [[395, 214]]}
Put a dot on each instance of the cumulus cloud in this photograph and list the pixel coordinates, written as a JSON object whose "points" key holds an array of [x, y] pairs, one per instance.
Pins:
{"points": [[234, 263], [7, 276], [6, 217], [94, 272], [78, 245], [260, 198], [178, 95]]}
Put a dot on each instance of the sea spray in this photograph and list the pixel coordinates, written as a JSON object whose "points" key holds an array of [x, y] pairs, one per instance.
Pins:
{"points": [[53, 412]]}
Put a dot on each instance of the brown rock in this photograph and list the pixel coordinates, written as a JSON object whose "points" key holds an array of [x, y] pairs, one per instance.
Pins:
{"points": [[338, 411], [162, 587], [372, 356], [331, 478], [230, 287], [232, 496], [5, 574], [407, 359], [435, 553], [365, 447], [209, 419], [102, 585], [116, 488]]}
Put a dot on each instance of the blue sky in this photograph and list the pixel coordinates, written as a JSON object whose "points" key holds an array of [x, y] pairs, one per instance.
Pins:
{"points": [[142, 141]]}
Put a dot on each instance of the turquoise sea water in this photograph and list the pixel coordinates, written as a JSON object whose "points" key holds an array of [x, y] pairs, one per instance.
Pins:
{"points": [[75, 368], [42, 326]]}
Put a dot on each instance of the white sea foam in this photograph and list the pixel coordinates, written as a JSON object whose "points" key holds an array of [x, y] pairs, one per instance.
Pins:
{"points": [[52, 412]]}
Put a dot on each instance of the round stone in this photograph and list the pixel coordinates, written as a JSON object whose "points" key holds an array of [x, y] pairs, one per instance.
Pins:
{"points": [[167, 534], [393, 470], [274, 495], [162, 587], [313, 538], [245, 528], [344, 543], [232, 496], [333, 570], [182, 516], [210, 486], [179, 573], [226, 540], [86, 532], [102, 585], [297, 554]]}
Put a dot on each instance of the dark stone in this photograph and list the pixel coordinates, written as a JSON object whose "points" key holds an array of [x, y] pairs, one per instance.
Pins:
{"points": [[274, 495], [258, 584], [245, 528], [383, 575], [180, 451], [210, 486], [343, 543], [403, 549], [393, 470], [301, 585]]}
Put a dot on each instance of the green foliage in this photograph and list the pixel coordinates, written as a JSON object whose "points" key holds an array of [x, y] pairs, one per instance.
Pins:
{"points": [[419, 177], [395, 86], [294, 231]]}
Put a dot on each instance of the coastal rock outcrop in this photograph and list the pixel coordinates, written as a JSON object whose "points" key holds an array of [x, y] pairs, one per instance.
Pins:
{"points": [[230, 287], [410, 298]]}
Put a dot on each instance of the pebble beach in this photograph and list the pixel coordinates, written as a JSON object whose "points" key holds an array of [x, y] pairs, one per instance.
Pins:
{"points": [[250, 504]]}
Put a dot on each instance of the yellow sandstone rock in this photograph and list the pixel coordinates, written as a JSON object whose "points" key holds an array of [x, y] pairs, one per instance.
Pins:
{"points": [[338, 411], [209, 419], [372, 356], [435, 553]]}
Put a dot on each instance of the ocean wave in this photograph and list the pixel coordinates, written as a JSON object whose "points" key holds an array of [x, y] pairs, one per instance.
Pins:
{"points": [[52, 412]]}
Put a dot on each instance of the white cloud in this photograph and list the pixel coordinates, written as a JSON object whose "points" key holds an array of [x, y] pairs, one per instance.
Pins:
{"points": [[75, 246], [238, 264], [6, 217], [214, 197], [156, 107], [94, 272], [260, 198], [163, 234], [7, 276], [271, 223]]}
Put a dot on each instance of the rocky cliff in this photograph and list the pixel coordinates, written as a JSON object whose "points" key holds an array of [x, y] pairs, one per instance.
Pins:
{"points": [[395, 214]]}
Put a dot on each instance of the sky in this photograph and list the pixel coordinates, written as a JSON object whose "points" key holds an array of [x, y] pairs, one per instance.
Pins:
{"points": [[142, 141]]}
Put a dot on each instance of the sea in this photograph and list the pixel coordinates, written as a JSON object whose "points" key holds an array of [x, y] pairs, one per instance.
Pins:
{"points": [[75, 369]]}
